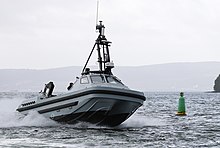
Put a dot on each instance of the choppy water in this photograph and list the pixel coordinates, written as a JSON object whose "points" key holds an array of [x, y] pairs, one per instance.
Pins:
{"points": [[153, 125]]}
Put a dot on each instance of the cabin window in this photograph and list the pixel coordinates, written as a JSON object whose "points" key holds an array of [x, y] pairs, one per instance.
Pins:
{"points": [[97, 79], [84, 80], [113, 80]]}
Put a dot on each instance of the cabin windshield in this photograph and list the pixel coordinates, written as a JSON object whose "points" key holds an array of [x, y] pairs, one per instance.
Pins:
{"points": [[97, 79], [105, 79], [113, 80]]}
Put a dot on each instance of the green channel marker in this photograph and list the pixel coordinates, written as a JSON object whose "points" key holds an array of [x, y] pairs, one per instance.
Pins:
{"points": [[181, 107]]}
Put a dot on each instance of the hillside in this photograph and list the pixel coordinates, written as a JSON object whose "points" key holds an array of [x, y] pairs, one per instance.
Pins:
{"points": [[163, 77]]}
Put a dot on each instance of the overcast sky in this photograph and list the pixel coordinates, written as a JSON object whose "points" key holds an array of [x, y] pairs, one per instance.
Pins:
{"points": [[39, 34]]}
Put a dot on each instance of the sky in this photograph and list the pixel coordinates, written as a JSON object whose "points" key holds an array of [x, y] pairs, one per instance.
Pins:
{"points": [[41, 34]]}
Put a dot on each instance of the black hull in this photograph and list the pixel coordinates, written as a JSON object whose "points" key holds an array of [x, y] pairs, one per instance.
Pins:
{"points": [[114, 116], [98, 118]]}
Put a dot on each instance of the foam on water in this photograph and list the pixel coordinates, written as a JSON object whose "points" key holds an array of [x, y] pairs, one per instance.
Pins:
{"points": [[137, 121], [9, 117]]}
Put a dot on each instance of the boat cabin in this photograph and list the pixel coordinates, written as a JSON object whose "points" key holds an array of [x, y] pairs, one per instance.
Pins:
{"points": [[97, 79]]}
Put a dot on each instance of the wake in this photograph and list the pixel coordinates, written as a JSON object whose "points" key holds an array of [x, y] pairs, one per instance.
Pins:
{"points": [[140, 121], [9, 117]]}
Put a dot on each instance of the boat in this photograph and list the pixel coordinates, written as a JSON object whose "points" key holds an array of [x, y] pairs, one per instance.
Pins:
{"points": [[96, 97]]}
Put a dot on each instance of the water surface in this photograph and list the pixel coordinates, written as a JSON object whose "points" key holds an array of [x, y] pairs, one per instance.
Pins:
{"points": [[153, 125]]}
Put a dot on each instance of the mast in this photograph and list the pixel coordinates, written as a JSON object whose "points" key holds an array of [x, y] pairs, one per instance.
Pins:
{"points": [[102, 46]]}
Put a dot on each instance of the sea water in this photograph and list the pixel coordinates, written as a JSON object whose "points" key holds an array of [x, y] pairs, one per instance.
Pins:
{"points": [[153, 125]]}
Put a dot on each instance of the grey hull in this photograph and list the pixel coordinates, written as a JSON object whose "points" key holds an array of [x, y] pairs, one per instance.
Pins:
{"points": [[97, 105]]}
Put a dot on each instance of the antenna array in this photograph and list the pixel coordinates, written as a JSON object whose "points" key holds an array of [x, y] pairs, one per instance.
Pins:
{"points": [[97, 12]]}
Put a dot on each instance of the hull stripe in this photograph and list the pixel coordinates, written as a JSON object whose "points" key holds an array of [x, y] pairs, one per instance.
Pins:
{"points": [[58, 107]]}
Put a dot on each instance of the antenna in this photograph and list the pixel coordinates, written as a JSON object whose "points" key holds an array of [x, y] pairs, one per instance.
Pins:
{"points": [[97, 12]]}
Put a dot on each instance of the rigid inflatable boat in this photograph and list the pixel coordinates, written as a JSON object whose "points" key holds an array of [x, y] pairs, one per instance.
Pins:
{"points": [[97, 97]]}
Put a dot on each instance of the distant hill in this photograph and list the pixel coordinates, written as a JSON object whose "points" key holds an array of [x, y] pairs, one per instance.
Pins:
{"points": [[162, 77]]}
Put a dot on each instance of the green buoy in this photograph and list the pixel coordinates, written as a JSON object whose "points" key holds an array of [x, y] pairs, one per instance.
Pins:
{"points": [[181, 107]]}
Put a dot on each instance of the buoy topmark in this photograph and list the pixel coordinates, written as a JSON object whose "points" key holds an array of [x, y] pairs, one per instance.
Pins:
{"points": [[181, 106]]}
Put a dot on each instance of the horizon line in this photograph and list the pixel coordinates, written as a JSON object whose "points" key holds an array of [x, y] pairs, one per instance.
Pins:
{"points": [[166, 63]]}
